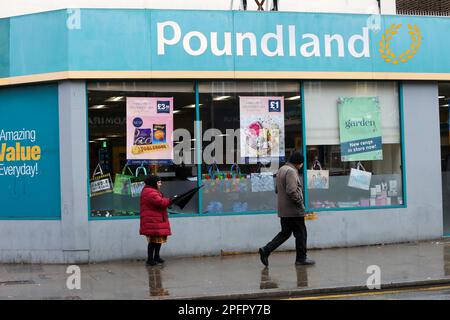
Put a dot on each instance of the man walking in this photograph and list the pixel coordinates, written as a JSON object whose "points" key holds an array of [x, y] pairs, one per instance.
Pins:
{"points": [[291, 210]]}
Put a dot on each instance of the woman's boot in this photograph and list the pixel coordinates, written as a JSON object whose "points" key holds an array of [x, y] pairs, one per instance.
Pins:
{"points": [[157, 257], [150, 249]]}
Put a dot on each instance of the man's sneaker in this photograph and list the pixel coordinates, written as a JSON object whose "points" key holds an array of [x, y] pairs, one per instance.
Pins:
{"points": [[306, 262], [264, 257]]}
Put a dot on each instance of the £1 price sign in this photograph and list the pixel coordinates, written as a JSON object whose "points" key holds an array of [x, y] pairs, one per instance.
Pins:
{"points": [[274, 106]]}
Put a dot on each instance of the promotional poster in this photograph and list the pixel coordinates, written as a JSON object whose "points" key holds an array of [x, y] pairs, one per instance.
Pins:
{"points": [[149, 128], [262, 127], [30, 153], [360, 129]]}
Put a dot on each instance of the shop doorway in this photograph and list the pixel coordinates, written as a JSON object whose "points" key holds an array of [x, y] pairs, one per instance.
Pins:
{"points": [[444, 110]]}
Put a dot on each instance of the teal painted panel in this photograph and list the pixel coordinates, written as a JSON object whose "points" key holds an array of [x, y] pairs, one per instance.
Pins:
{"points": [[38, 43], [294, 34], [191, 33], [109, 40], [300, 42], [130, 40], [432, 53], [4, 48], [29, 183]]}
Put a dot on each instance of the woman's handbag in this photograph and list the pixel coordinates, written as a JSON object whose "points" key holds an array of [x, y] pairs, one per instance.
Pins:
{"points": [[317, 179], [359, 179], [137, 182], [122, 182], [100, 183]]}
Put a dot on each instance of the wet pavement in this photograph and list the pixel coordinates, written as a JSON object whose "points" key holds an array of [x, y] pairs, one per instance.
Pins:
{"points": [[235, 276]]}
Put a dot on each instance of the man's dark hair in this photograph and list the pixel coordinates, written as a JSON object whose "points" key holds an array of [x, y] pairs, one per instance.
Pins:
{"points": [[296, 158]]}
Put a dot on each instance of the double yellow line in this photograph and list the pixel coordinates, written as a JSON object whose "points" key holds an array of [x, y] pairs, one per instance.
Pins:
{"points": [[372, 293]]}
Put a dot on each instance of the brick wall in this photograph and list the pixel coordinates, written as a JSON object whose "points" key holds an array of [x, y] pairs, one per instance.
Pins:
{"points": [[424, 7]]}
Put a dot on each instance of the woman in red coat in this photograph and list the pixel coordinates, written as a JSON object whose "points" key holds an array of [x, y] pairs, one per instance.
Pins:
{"points": [[154, 218]]}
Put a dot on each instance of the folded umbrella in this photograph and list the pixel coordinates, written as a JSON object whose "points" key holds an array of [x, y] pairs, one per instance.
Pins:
{"points": [[183, 199]]}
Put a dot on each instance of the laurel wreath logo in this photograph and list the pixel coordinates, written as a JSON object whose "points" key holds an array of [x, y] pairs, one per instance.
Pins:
{"points": [[391, 57]]}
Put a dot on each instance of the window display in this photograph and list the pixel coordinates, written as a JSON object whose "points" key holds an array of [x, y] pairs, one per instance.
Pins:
{"points": [[149, 128], [131, 126], [245, 131], [356, 148], [252, 127]]}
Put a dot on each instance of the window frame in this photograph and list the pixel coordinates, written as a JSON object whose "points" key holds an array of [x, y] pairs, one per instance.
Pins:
{"points": [[402, 153], [199, 150]]}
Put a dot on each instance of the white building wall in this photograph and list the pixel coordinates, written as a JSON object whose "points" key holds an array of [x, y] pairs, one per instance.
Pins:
{"points": [[19, 7]]}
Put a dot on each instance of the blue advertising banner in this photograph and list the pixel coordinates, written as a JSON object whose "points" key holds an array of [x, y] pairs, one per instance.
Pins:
{"points": [[360, 129], [29, 153], [155, 42]]}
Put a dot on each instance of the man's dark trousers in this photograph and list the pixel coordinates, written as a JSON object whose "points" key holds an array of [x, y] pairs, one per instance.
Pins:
{"points": [[295, 225]]}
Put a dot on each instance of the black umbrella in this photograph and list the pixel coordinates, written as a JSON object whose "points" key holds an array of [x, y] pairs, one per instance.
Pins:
{"points": [[183, 199]]}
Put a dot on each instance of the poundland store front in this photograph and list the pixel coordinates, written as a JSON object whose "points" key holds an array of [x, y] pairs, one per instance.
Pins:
{"points": [[94, 100]]}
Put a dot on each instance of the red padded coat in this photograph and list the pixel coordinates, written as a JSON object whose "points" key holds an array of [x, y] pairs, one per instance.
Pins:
{"points": [[153, 213]]}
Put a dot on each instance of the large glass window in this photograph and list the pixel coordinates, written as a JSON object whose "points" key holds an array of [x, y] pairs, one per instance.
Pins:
{"points": [[354, 154], [249, 129], [107, 110], [245, 131], [444, 101]]}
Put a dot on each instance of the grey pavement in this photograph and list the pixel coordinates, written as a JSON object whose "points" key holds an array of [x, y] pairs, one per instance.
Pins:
{"points": [[234, 276]]}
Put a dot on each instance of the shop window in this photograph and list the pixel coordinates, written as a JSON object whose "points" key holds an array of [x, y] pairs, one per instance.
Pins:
{"points": [[353, 142], [444, 116], [107, 112], [249, 129]]}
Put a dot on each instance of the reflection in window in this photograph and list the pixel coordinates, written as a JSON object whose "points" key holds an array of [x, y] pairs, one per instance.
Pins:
{"points": [[107, 145], [353, 144], [246, 130]]}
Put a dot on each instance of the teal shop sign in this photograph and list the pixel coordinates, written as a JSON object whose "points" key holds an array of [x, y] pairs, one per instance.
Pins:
{"points": [[232, 42], [360, 129], [29, 153]]}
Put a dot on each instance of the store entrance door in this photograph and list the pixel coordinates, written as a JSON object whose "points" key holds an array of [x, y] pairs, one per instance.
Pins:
{"points": [[444, 110]]}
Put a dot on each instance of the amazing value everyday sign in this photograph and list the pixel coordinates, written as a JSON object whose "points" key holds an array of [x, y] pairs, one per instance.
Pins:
{"points": [[29, 152], [360, 129], [18, 146]]}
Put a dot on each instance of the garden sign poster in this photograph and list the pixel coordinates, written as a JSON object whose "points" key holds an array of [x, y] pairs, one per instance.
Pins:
{"points": [[360, 129]]}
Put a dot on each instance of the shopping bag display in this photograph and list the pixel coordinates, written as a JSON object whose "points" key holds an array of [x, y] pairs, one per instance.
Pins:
{"points": [[262, 182], [359, 179], [122, 182], [214, 207], [226, 182], [100, 183], [318, 178], [137, 182]]}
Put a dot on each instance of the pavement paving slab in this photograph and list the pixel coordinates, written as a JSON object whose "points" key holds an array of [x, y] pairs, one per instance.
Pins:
{"points": [[232, 276]]}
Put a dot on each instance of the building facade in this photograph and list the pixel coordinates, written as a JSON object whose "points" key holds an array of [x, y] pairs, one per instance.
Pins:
{"points": [[94, 99]]}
